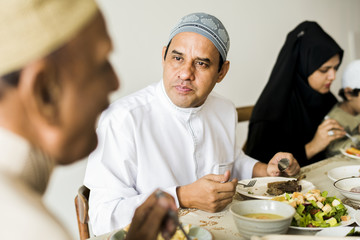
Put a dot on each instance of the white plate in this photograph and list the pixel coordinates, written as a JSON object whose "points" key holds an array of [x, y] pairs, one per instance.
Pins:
{"points": [[343, 151], [336, 232], [259, 189], [195, 232], [351, 212], [118, 235], [357, 217], [343, 172]]}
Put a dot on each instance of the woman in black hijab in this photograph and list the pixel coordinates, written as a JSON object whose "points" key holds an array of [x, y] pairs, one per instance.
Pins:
{"points": [[288, 116]]}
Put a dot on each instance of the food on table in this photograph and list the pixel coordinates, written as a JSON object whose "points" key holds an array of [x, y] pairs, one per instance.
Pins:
{"points": [[353, 232], [178, 235], [353, 151], [263, 216], [315, 209], [281, 187], [355, 189]]}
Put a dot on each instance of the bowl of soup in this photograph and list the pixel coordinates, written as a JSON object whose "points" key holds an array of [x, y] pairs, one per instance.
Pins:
{"points": [[350, 188], [261, 217]]}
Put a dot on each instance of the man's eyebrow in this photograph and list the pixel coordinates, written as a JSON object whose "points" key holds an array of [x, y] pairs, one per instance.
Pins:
{"points": [[176, 52], [204, 59]]}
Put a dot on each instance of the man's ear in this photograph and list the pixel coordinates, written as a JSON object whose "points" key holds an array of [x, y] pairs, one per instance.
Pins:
{"points": [[223, 71], [40, 87], [163, 55]]}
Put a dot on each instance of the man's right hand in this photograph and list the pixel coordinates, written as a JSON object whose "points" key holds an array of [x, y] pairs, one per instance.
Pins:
{"points": [[211, 193], [151, 218]]}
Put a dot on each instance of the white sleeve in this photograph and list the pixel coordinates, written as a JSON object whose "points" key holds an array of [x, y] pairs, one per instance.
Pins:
{"points": [[111, 176], [244, 165]]}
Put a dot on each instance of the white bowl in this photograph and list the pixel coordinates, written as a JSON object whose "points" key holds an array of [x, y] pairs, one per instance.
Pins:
{"points": [[344, 172], [344, 185], [260, 227]]}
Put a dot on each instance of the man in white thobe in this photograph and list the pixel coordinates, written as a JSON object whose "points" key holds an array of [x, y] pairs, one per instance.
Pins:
{"points": [[174, 134]]}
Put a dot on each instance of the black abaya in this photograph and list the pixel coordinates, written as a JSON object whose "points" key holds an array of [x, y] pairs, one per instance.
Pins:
{"points": [[288, 111]]}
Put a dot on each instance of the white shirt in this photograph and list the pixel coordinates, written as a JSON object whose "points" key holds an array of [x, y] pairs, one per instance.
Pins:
{"points": [[147, 142], [24, 175]]}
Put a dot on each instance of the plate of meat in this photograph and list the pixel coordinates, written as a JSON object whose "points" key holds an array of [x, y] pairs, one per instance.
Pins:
{"points": [[269, 187]]}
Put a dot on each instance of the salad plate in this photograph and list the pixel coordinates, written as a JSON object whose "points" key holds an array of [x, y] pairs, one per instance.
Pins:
{"points": [[336, 232], [343, 151], [259, 189], [344, 172], [351, 212]]}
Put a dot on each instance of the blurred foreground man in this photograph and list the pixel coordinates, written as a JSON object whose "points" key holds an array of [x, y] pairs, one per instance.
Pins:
{"points": [[54, 81]]}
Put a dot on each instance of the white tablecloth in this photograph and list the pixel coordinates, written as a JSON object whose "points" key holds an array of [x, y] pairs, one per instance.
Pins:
{"points": [[221, 224]]}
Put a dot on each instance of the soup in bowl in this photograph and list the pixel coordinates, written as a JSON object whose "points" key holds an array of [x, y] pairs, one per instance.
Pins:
{"points": [[261, 217]]}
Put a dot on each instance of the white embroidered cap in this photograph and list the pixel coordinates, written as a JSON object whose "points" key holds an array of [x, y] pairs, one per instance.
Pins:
{"points": [[208, 26]]}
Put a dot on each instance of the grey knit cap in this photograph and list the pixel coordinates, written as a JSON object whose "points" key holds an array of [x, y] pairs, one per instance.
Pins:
{"points": [[206, 25]]}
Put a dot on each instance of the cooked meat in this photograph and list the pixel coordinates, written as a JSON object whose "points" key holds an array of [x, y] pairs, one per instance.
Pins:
{"points": [[278, 188]]}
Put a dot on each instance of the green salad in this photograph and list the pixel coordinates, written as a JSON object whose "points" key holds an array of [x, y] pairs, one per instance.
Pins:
{"points": [[316, 209]]}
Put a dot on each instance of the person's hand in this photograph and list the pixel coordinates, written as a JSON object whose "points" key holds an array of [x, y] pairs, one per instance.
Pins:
{"points": [[272, 167], [211, 193], [327, 131], [152, 217]]}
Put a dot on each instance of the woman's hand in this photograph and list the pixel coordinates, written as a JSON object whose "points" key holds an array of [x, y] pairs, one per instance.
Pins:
{"points": [[327, 131]]}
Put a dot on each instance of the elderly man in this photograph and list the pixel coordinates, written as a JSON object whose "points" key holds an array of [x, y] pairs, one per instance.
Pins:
{"points": [[54, 81], [174, 134]]}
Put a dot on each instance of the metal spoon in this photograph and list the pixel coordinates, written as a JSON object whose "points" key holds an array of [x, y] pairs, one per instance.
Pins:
{"points": [[354, 140], [175, 218], [283, 164], [173, 215]]}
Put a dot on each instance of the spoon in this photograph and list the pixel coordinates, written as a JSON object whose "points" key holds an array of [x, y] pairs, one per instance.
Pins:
{"points": [[354, 140], [173, 215], [283, 164]]}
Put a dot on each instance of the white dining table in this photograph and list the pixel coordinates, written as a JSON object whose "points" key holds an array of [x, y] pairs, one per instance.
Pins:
{"points": [[221, 224]]}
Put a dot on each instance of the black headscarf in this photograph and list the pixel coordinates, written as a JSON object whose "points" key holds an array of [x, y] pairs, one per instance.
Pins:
{"points": [[288, 95]]}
